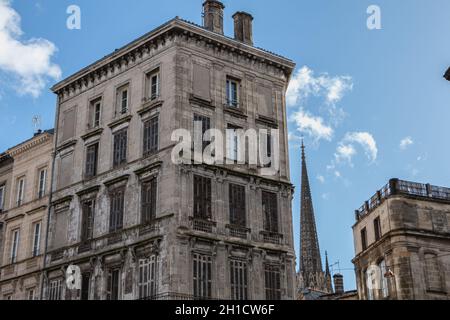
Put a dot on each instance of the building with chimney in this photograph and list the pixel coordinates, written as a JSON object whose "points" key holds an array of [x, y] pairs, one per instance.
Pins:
{"points": [[402, 243], [25, 172], [312, 280], [140, 226]]}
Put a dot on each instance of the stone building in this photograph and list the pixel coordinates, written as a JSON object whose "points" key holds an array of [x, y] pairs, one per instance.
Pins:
{"points": [[402, 243], [140, 226], [24, 197]]}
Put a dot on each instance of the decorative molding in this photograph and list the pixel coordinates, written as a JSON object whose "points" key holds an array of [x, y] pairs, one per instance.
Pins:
{"points": [[28, 145], [201, 102], [93, 189], [150, 167], [120, 121], [92, 133], [66, 145], [149, 107], [234, 112], [62, 200], [267, 121], [32, 211], [117, 180]]}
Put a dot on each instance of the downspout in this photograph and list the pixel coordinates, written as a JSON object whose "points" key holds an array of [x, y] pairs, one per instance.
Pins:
{"points": [[50, 198]]}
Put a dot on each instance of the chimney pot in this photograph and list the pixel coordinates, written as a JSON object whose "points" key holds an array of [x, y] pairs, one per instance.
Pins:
{"points": [[213, 16], [243, 27], [338, 283]]}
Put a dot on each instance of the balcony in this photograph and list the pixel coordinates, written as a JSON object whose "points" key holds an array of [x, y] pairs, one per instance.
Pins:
{"points": [[271, 237], [202, 225], [238, 231], [406, 188]]}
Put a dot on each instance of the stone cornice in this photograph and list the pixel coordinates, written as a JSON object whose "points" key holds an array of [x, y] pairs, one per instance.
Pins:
{"points": [[30, 144], [153, 42]]}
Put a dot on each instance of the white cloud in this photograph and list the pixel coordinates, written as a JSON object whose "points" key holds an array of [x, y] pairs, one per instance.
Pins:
{"points": [[27, 61], [406, 142], [346, 149], [305, 84], [321, 179], [313, 126]]}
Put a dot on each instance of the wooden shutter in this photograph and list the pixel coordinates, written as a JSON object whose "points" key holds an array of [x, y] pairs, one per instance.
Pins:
{"points": [[202, 82], [237, 205], [91, 160], [270, 208], [149, 200], [151, 136], [202, 197]]}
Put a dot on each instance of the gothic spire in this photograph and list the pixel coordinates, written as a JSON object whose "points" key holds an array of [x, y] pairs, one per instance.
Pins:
{"points": [[310, 260], [329, 286]]}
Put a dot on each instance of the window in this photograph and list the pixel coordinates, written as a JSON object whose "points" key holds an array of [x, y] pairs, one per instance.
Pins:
{"points": [[232, 142], [384, 286], [20, 191], [55, 289], [14, 245], [364, 239], [149, 189], [91, 160], [95, 113], [153, 81], [87, 223], [232, 93], [147, 277], [205, 126], [237, 205], [117, 206], [202, 268], [120, 148], [42, 183], [7, 297], [369, 277], [272, 282], [112, 286], [31, 294], [377, 228], [36, 239], [151, 136], [85, 285], [239, 280], [122, 99], [2, 197], [202, 198], [270, 210], [433, 274]]}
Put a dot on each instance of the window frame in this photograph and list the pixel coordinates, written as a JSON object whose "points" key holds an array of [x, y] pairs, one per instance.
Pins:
{"points": [[146, 203], [20, 197], [202, 191], [120, 147], [147, 277], [87, 219], [239, 282], [116, 215], [363, 234], [42, 183], [272, 281], [377, 228], [2, 197], [122, 109], [238, 214], [149, 76], [91, 165], [112, 290], [271, 214], [233, 100], [15, 241], [151, 141], [36, 243], [202, 276]]}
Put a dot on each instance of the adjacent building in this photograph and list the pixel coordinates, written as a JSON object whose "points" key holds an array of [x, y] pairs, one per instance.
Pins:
{"points": [[402, 243], [140, 226], [24, 196]]}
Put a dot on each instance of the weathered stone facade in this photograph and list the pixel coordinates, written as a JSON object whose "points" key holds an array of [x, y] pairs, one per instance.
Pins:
{"points": [[405, 229], [193, 65], [24, 216]]}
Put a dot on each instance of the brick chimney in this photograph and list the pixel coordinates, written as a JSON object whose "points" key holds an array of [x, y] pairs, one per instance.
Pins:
{"points": [[338, 283], [213, 15], [243, 27]]}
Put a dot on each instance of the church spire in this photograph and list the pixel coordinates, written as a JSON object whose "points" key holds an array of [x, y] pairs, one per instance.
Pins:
{"points": [[329, 286], [310, 260]]}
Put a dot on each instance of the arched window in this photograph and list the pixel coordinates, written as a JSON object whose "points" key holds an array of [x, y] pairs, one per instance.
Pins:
{"points": [[432, 272]]}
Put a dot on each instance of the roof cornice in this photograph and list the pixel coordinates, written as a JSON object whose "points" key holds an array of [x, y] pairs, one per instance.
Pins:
{"points": [[145, 46], [30, 144]]}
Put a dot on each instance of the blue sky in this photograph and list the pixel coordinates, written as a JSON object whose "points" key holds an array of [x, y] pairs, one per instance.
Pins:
{"points": [[361, 92]]}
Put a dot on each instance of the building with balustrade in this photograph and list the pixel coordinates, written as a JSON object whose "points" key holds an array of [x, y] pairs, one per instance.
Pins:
{"points": [[402, 243], [140, 226]]}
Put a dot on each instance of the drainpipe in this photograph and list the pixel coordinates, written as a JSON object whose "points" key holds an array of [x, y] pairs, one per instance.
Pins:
{"points": [[50, 198]]}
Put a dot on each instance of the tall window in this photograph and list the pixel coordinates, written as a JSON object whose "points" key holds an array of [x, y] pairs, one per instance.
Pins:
{"points": [[369, 279], [202, 268], [202, 197], [95, 113], [433, 274], [2, 197], [122, 99], [20, 191], [272, 282], [117, 207], [232, 142], [270, 210], [31, 294], [377, 228], [91, 160], [364, 239], [153, 81], [87, 222], [54, 290], [239, 280], [85, 285], [42, 183], [149, 189], [151, 136], [36, 239], [205, 126], [237, 205], [147, 277], [120, 147], [384, 285], [232, 93], [112, 285], [14, 245]]}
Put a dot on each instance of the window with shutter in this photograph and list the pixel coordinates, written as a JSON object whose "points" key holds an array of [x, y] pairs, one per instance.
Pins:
{"points": [[91, 160], [202, 276], [151, 136], [273, 282], [120, 148], [112, 285], [117, 207], [149, 190], [238, 280], [87, 223], [206, 125], [237, 205], [85, 285], [270, 210], [202, 198]]}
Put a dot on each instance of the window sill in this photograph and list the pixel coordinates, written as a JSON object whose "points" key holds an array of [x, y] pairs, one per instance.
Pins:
{"points": [[121, 120], [149, 106], [92, 133], [236, 112], [201, 102]]}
